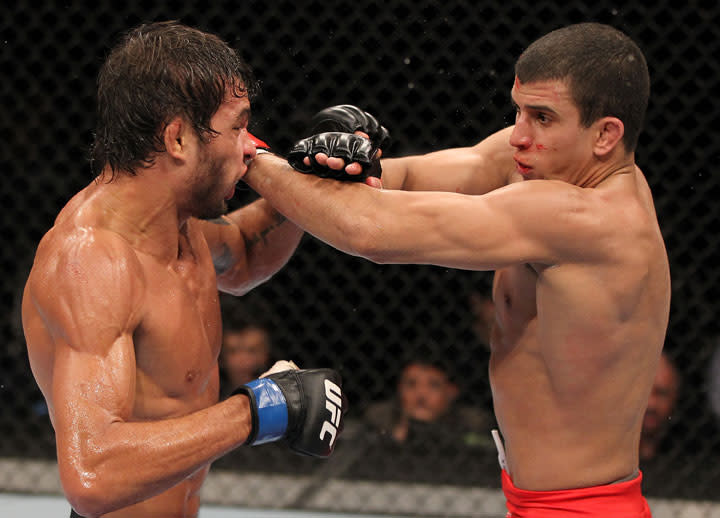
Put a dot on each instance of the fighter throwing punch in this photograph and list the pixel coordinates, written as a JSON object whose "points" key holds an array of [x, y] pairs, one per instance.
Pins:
{"points": [[121, 311], [558, 208]]}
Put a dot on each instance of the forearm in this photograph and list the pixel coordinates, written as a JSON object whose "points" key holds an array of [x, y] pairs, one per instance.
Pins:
{"points": [[129, 462], [389, 226], [335, 212]]}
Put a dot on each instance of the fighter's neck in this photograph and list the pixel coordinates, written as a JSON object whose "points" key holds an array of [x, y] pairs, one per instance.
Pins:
{"points": [[602, 172], [144, 211]]}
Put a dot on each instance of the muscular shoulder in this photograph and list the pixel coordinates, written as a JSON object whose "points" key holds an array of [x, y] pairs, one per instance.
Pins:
{"points": [[610, 223], [86, 278], [478, 169], [548, 202], [561, 222]]}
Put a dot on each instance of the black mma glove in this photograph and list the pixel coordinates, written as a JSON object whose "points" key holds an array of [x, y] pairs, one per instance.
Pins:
{"points": [[344, 118], [348, 146], [303, 406]]}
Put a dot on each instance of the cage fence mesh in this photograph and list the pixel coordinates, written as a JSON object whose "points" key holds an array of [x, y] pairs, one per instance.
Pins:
{"points": [[438, 75]]}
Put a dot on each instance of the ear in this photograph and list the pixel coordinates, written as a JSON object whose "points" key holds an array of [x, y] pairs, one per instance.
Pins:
{"points": [[610, 131], [176, 138]]}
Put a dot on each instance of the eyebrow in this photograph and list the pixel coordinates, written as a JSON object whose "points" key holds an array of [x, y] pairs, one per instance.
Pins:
{"points": [[244, 115], [535, 107]]}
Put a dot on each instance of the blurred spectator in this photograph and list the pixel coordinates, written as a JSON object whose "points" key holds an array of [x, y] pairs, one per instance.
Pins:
{"points": [[422, 433], [245, 354], [661, 404], [425, 399], [671, 447], [248, 351]]}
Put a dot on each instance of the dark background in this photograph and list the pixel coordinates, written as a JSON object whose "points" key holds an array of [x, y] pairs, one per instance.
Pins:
{"points": [[438, 75]]}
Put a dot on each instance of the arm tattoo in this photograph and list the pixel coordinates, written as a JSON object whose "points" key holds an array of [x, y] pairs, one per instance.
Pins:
{"points": [[278, 220], [223, 261]]}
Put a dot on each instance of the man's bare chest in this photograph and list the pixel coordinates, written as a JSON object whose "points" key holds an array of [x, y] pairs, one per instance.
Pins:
{"points": [[178, 340], [515, 297]]}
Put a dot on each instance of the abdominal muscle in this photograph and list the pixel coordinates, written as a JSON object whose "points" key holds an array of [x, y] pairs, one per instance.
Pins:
{"points": [[549, 447], [559, 410]]}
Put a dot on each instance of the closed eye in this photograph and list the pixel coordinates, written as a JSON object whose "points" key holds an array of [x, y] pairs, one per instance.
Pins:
{"points": [[242, 120]]}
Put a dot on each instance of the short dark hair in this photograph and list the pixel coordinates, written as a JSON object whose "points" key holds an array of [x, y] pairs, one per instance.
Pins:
{"points": [[159, 71], [606, 72], [427, 352]]}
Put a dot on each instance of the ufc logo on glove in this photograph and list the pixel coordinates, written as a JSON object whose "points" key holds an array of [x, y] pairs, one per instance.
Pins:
{"points": [[334, 405]]}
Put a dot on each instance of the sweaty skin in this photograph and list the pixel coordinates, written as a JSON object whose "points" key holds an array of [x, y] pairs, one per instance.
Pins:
{"points": [[565, 218], [123, 327]]}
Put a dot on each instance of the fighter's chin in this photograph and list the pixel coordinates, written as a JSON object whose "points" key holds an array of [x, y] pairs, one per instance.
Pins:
{"points": [[422, 416], [210, 213], [524, 170]]}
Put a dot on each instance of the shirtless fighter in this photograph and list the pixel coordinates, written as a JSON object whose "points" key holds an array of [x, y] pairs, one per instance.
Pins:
{"points": [[121, 311], [558, 208]]}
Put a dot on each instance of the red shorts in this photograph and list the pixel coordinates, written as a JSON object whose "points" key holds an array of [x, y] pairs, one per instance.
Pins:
{"points": [[622, 500]]}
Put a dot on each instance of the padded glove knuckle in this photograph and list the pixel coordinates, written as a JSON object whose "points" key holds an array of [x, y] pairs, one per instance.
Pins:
{"points": [[346, 118], [347, 146]]}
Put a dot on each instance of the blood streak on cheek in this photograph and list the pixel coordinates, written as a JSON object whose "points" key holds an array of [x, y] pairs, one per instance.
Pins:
{"points": [[540, 147]]}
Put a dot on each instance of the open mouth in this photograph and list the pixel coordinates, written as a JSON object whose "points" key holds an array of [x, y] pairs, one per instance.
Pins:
{"points": [[523, 169]]}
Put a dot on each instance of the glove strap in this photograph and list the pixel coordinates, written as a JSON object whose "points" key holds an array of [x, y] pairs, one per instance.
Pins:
{"points": [[272, 412]]}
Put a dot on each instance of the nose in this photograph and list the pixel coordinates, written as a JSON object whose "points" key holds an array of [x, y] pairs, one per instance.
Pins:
{"points": [[249, 146], [520, 138]]}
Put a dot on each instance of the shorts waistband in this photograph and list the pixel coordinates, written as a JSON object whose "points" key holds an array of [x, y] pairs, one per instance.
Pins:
{"points": [[621, 500]]}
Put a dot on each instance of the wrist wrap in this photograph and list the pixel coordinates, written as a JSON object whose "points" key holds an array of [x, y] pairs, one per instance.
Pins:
{"points": [[270, 421]]}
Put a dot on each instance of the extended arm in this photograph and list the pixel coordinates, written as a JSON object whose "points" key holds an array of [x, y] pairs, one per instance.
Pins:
{"points": [[522, 222], [479, 169]]}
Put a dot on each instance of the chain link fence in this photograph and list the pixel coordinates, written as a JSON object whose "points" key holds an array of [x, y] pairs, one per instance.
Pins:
{"points": [[438, 75]]}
